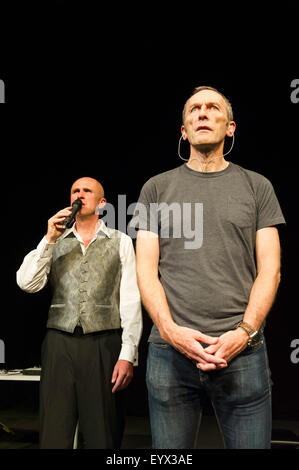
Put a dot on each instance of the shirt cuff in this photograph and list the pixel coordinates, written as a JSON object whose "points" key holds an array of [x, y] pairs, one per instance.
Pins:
{"points": [[129, 353]]}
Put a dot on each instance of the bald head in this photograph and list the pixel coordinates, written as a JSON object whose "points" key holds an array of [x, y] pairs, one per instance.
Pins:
{"points": [[91, 193], [88, 184]]}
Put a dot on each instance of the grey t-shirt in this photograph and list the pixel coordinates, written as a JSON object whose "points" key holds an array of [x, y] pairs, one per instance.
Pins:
{"points": [[207, 225]]}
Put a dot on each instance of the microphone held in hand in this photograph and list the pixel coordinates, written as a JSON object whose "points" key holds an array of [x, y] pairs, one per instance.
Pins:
{"points": [[76, 206]]}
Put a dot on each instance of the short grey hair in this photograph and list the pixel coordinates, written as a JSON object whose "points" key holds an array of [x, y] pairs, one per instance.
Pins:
{"points": [[229, 109]]}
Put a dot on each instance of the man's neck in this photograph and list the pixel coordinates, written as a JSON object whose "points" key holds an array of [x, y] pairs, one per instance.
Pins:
{"points": [[207, 161], [86, 226]]}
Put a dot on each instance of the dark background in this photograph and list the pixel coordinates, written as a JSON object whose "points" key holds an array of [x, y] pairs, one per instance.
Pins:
{"points": [[100, 93]]}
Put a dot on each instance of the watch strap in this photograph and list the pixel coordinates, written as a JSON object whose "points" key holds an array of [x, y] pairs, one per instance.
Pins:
{"points": [[249, 330]]}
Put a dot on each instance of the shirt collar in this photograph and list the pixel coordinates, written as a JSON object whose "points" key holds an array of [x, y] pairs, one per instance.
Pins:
{"points": [[101, 228]]}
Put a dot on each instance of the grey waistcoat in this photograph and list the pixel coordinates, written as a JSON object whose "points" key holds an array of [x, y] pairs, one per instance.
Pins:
{"points": [[85, 287]]}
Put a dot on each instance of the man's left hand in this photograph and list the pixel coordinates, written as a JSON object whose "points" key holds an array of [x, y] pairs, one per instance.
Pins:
{"points": [[230, 344], [122, 375]]}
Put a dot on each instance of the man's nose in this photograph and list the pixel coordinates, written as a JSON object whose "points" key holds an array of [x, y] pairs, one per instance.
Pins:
{"points": [[202, 112]]}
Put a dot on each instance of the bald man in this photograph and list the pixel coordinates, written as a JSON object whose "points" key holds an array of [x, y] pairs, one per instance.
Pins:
{"points": [[94, 323]]}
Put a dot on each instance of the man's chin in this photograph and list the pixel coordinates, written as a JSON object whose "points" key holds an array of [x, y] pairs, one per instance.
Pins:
{"points": [[206, 147]]}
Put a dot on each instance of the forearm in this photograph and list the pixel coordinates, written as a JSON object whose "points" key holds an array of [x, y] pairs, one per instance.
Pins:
{"points": [[155, 302], [262, 294], [261, 298], [32, 275], [129, 303], [131, 324], [265, 287]]}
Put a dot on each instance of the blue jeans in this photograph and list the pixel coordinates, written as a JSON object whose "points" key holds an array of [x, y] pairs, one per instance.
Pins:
{"points": [[240, 395]]}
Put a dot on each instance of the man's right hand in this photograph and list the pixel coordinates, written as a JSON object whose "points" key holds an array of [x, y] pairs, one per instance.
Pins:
{"points": [[55, 224], [187, 342]]}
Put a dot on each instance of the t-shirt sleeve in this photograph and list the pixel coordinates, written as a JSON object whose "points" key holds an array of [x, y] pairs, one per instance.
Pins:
{"points": [[145, 216], [269, 212]]}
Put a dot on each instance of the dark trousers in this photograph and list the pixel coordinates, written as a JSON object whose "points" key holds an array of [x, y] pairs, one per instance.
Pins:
{"points": [[76, 385]]}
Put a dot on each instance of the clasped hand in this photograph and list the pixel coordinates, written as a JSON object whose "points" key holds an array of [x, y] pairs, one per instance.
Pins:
{"points": [[217, 354]]}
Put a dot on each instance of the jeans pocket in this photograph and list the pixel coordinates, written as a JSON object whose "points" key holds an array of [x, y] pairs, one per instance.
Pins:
{"points": [[257, 340], [255, 345]]}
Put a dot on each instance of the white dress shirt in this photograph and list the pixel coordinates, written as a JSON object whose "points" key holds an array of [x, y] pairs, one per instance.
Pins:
{"points": [[34, 272]]}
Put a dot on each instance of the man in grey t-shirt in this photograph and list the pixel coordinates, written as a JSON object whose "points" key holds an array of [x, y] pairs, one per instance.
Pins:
{"points": [[208, 265]]}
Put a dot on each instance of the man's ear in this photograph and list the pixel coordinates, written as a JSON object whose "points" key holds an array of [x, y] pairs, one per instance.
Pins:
{"points": [[102, 203], [231, 127], [184, 135]]}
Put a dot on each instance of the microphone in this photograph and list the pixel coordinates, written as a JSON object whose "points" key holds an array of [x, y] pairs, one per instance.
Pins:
{"points": [[68, 221]]}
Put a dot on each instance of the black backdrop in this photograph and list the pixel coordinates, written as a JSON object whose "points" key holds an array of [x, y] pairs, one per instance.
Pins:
{"points": [[100, 94]]}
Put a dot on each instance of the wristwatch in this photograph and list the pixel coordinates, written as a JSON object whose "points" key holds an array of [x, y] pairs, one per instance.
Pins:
{"points": [[249, 330]]}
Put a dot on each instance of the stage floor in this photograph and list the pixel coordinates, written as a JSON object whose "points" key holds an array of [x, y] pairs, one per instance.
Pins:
{"points": [[24, 426]]}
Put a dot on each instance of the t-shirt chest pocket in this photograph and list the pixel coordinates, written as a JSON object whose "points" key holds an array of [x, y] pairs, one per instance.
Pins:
{"points": [[241, 212]]}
